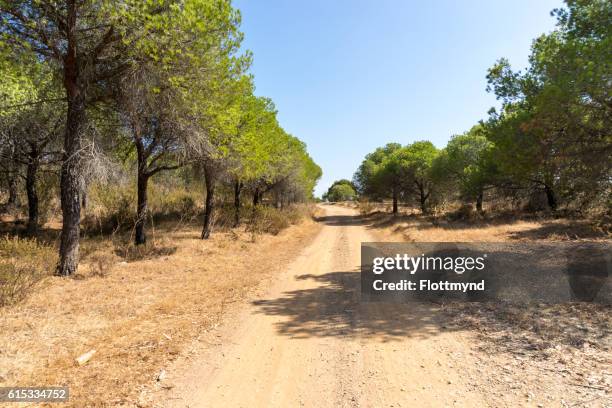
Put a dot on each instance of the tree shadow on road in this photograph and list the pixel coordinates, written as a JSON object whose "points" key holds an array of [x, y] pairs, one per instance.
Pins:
{"points": [[333, 309], [341, 220]]}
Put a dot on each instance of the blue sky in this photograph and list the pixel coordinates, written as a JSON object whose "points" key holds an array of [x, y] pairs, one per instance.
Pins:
{"points": [[348, 76]]}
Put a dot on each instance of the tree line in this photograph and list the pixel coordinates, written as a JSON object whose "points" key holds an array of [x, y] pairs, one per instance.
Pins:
{"points": [[552, 136], [159, 85]]}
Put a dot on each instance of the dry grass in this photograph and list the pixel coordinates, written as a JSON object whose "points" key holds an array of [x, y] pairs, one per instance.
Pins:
{"points": [[137, 311], [411, 226], [23, 264], [418, 229]]}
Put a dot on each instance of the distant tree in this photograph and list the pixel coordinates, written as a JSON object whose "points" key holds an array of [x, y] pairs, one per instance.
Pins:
{"points": [[340, 190], [394, 171], [466, 162], [251, 152], [374, 177], [216, 135], [416, 165]]}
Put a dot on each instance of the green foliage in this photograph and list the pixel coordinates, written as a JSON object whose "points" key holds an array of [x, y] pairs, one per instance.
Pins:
{"points": [[368, 178], [551, 137], [341, 190], [466, 162], [554, 130], [394, 171], [154, 85]]}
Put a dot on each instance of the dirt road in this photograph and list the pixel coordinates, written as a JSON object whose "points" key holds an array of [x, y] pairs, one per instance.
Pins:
{"points": [[309, 342]]}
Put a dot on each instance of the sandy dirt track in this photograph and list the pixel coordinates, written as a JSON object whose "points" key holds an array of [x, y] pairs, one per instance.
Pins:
{"points": [[309, 342]]}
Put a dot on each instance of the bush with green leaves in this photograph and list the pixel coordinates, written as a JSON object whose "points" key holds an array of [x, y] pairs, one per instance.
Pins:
{"points": [[341, 190]]}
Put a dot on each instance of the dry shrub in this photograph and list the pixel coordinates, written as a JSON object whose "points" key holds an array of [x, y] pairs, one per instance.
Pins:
{"points": [[48, 197], [224, 214], [365, 207], [152, 249], [23, 263], [296, 213], [110, 208], [267, 220], [113, 207], [175, 201], [271, 220], [463, 213], [101, 263]]}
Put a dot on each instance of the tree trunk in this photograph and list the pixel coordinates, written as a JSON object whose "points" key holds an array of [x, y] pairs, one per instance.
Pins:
{"points": [[71, 173], [479, 199], [237, 191], [423, 203], [32, 170], [422, 197], [550, 197], [140, 236], [256, 197], [210, 202], [12, 187], [395, 209]]}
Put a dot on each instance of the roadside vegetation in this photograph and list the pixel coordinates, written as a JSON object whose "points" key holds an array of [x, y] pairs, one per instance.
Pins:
{"points": [[138, 162], [100, 103], [549, 148]]}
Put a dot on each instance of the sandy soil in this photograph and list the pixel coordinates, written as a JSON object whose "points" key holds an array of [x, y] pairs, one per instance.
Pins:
{"points": [[309, 342]]}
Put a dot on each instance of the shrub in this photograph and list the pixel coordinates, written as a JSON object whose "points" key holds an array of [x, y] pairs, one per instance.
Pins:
{"points": [[464, 213], [176, 201], [296, 213], [101, 263], [48, 197], [114, 207], [110, 208], [267, 220], [124, 248], [365, 207], [23, 263], [271, 220], [224, 216]]}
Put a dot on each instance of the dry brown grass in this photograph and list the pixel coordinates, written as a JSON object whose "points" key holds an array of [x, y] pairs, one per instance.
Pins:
{"points": [[412, 226], [137, 312], [419, 229], [23, 264]]}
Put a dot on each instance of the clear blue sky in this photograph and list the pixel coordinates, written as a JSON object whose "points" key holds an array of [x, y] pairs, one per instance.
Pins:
{"points": [[348, 76]]}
